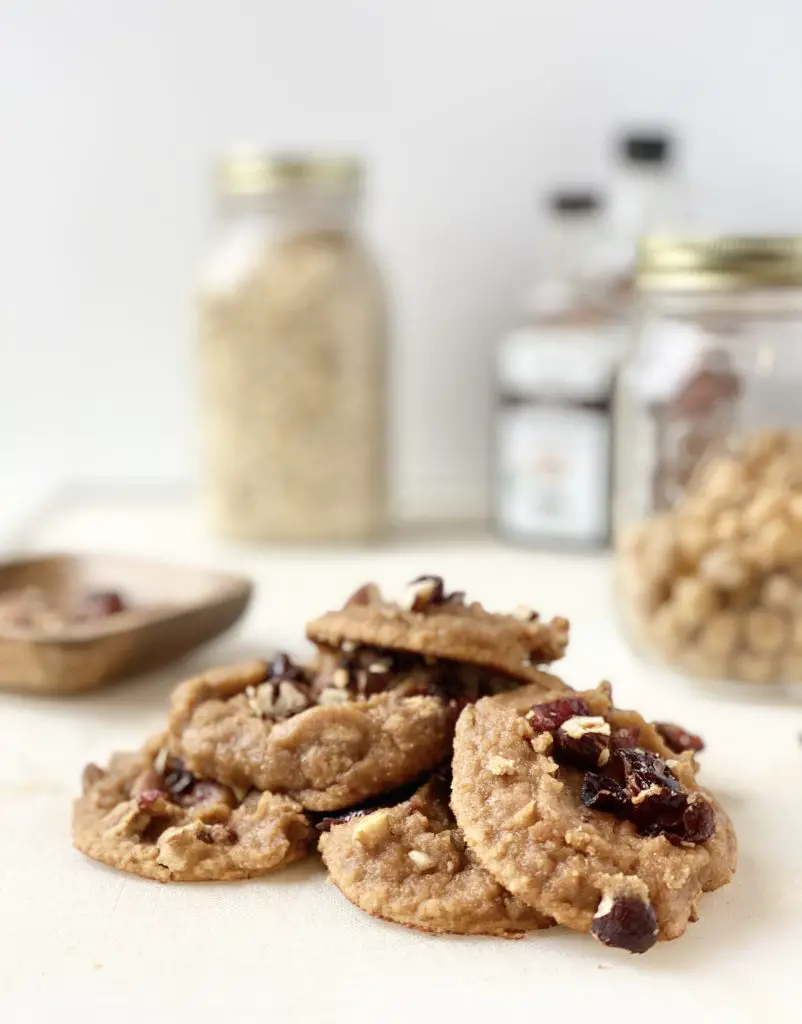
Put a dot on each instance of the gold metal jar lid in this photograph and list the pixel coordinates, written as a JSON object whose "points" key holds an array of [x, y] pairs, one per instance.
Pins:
{"points": [[708, 264], [249, 172]]}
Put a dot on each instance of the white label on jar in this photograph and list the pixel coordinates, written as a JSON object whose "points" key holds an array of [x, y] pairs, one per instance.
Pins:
{"points": [[576, 362], [554, 473]]}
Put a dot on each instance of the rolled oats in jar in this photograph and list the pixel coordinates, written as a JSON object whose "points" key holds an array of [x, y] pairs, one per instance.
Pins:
{"points": [[708, 503], [292, 355]]}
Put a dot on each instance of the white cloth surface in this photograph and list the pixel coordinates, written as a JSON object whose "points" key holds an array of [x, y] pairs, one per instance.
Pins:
{"points": [[76, 937]]}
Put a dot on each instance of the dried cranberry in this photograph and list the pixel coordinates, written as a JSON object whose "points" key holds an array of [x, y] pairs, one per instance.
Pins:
{"points": [[659, 813], [364, 596], [639, 770], [376, 678], [176, 777], [100, 604], [325, 821], [656, 797], [677, 739], [551, 715], [438, 685], [625, 923], [436, 593], [626, 736], [582, 742], [338, 818], [694, 823], [602, 793], [283, 667], [698, 821], [442, 775], [654, 800]]}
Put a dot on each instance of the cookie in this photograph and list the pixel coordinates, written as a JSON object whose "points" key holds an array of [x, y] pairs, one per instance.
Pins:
{"points": [[352, 673], [409, 864], [584, 813], [428, 622], [269, 726], [146, 814]]}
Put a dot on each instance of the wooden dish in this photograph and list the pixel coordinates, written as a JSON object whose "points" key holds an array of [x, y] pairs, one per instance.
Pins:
{"points": [[173, 609]]}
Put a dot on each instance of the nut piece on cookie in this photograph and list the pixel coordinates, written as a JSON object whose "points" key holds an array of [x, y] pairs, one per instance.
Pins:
{"points": [[373, 829], [501, 765], [277, 699], [422, 861], [285, 691]]}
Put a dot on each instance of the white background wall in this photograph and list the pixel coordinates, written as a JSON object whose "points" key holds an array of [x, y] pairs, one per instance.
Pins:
{"points": [[111, 109]]}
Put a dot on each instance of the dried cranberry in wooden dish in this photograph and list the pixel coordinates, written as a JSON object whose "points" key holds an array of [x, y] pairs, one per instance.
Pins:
{"points": [[100, 604]]}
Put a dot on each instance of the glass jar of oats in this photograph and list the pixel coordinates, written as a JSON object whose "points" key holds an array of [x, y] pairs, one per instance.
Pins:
{"points": [[292, 355], [708, 506]]}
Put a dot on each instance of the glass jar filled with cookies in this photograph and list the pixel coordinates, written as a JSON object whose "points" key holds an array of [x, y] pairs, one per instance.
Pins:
{"points": [[708, 508]]}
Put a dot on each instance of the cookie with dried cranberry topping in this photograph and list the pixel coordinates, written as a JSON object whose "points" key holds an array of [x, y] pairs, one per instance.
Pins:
{"points": [[408, 863], [354, 673], [430, 622], [148, 815], [583, 812], [266, 725]]}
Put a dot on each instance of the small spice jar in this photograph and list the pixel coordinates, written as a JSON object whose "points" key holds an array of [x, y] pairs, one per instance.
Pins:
{"points": [[554, 389], [292, 354], [553, 437], [708, 494]]}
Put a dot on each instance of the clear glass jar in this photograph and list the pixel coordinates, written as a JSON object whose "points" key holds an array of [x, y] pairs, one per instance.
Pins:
{"points": [[554, 380], [292, 337], [708, 503], [648, 197]]}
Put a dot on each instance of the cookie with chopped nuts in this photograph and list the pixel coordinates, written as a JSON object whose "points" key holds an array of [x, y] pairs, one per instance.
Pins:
{"points": [[268, 725], [585, 813], [408, 863], [354, 673], [428, 621], [148, 815]]}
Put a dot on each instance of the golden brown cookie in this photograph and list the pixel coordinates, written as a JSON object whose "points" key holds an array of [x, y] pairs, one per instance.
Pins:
{"points": [[428, 622], [584, 813], [408, 863], [146, 814], [258, 725]]}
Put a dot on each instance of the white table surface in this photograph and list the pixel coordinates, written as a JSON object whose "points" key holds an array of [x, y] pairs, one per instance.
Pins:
{"points": [[75, 936]]}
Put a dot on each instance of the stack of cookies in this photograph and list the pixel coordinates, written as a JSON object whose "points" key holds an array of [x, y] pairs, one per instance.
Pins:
{"points": [[561, 808]]}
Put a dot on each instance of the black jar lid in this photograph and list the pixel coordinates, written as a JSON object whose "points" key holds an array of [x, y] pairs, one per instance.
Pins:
{"points": [[646, 147], [566, 200]]}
